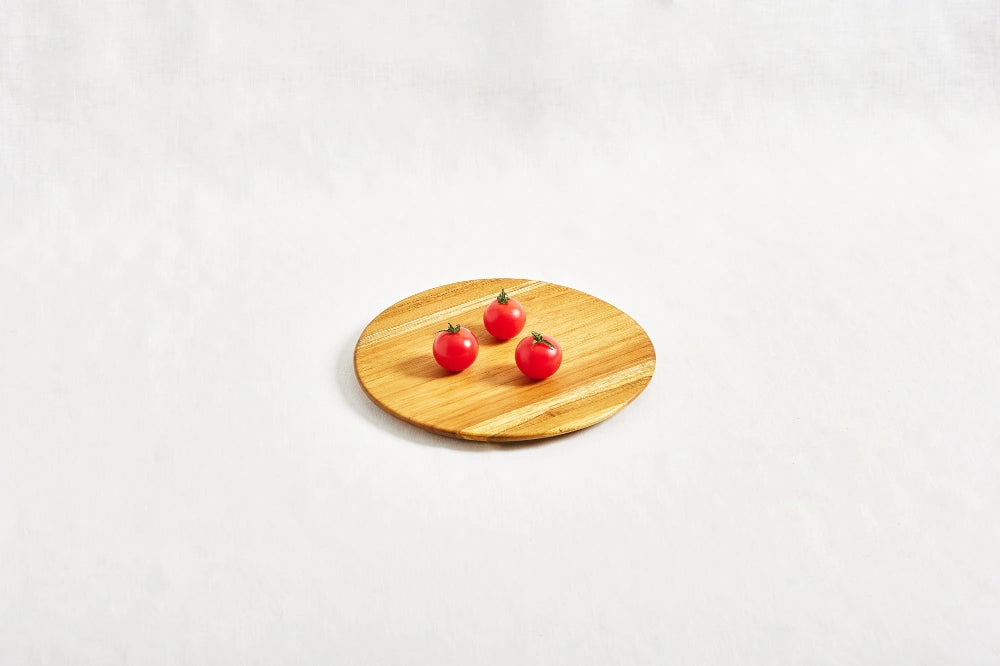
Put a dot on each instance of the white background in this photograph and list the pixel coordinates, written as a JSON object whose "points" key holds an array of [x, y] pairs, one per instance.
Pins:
{"points": [[203, 204]]}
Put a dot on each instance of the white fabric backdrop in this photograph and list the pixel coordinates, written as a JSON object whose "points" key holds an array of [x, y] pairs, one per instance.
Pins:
{"points": [[202, 205]]}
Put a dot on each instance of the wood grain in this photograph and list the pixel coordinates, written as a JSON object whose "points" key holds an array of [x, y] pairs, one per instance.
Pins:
{"points": [[607, 361]]}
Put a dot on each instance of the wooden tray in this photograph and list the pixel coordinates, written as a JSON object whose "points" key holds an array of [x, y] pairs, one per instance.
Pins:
{"points": [[607, 361]]}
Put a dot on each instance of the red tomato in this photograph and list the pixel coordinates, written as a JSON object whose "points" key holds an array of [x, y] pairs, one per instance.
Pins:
{"points": [[504, 317], [538, 356], [456, 348]]}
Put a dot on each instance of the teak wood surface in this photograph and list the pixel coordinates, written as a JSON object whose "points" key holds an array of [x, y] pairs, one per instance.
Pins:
{"points": [[607, 361]]}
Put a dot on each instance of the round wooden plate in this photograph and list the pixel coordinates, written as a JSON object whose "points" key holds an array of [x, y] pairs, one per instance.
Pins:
{"points": [[607, 361]]}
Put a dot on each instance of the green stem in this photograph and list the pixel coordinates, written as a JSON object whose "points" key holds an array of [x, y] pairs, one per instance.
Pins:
{"points": [[538, 338]]}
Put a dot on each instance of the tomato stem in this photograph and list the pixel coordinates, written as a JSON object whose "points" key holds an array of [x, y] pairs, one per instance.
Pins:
{"points": [[503, 297], [538, 338], [451, 329]]}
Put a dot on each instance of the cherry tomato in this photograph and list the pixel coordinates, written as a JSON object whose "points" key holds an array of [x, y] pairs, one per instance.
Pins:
{"points": [[504, 317], [538, 356], [455, 348]]}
